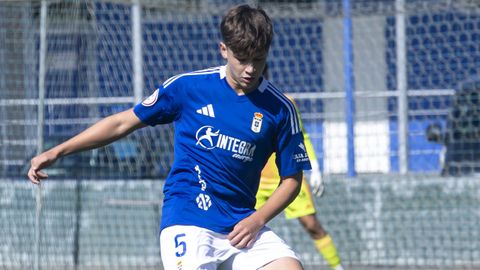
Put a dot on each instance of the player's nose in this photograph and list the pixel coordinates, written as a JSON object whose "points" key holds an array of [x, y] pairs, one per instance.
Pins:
{"points": [[250, 69]]}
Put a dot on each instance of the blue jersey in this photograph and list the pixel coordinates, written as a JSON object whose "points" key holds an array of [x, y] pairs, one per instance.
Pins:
{"points": [[222, 142]]}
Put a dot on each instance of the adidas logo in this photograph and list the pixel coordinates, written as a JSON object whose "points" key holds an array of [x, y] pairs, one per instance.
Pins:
{"points": [[207, 110], [301, 145]]}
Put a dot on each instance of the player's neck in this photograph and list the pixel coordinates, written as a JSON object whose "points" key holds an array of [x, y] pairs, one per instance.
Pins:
{"points": [[239, 89], [241, 92]]}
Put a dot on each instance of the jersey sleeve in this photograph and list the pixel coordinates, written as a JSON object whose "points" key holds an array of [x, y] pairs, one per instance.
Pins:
{"points": [[306, 138], [291, 151], [161, 107]]}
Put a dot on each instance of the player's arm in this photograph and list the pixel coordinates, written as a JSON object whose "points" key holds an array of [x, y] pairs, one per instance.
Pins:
{"points": [[245, 232], [283, 195], [101, 133]]}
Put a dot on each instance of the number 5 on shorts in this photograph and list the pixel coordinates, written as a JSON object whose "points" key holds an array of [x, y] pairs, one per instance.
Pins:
{"points": [[179, 244]]}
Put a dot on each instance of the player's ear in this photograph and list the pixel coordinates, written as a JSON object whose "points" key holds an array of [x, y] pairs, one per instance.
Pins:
{"points": [[223, 50]]}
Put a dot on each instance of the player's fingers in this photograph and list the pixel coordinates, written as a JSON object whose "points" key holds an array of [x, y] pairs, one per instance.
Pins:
{"points": [[42, 175], [233, 237], [236, 241], [33, 177], [232, 234], [250, 243], [238, 238], [39, 174], [243, 243]]}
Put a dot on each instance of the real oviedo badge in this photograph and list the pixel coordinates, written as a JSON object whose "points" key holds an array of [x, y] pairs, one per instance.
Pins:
{"points": [[257, 122]]}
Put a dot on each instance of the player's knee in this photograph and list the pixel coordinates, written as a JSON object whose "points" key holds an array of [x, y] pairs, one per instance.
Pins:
{"points": [[285, 263], [313, 226]]}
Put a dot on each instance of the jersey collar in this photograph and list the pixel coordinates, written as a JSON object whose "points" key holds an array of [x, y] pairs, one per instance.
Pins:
{"points": [[223, 72], [261, 87]]}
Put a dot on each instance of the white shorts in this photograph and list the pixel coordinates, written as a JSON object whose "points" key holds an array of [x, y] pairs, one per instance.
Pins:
{"points": [[195, 248]]}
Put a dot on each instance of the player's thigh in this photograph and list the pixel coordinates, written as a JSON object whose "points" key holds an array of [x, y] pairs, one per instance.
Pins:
{"points": [[192, 248], [302, 205], [267, 248]]}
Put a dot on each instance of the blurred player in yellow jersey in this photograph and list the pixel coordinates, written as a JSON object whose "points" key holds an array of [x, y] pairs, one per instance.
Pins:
{"points": [[303, 207]]}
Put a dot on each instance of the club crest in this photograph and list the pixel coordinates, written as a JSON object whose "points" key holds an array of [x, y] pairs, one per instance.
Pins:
{"points": [[257, 122]]}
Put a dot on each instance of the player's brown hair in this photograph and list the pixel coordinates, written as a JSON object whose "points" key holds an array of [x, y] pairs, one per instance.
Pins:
{"points": [[247, 31]]}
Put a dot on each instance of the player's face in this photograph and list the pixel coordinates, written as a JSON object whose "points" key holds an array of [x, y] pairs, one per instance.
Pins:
{"points": [[243, 75]]}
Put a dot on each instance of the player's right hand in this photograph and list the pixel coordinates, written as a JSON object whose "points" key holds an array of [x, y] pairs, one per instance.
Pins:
{"points": [[37, 163], [245, 232]]}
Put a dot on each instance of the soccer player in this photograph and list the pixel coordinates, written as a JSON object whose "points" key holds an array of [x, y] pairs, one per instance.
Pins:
{"points": [[303, 207], [228, 121]]}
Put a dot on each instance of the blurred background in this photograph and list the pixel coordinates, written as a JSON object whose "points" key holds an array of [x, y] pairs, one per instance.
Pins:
{"points": [[388, 91]]}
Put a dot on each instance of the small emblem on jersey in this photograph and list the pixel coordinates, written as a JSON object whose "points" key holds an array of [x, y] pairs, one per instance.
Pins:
{"points": [[207, 111], [202, 182], [257, 122], [151, 99], [203, 201]]}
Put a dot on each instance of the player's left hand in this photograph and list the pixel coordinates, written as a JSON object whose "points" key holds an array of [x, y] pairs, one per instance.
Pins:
{"points": [[316, 180], [245, 232]]}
